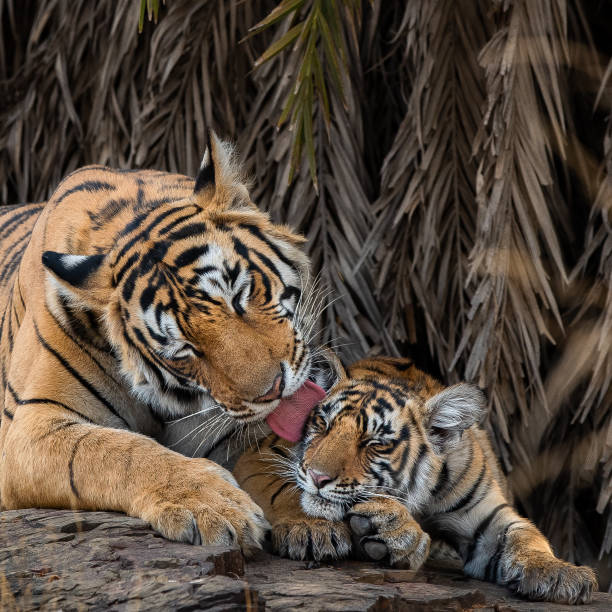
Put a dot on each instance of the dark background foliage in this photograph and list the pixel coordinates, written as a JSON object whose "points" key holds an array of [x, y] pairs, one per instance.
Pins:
{"points": [[450, 163]]}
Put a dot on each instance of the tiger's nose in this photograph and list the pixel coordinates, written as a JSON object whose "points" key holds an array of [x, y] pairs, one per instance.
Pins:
{"points": [[319, 478], [275, 391]]}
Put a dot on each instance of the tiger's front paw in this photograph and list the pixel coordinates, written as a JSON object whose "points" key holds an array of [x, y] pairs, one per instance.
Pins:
{"points": [[311, 538], [386, 531], [543, 578], [204, 505]]}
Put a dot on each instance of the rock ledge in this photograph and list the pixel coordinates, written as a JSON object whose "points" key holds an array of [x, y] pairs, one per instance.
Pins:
{"points": [[57, 559]]}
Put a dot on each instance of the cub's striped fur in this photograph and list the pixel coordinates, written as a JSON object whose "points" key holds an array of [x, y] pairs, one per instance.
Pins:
{"points": [[391, 456], [131, 298]]}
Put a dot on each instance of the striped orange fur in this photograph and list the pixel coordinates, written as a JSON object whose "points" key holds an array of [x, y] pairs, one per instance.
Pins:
{"points": [[391, 457], [132, 298]]}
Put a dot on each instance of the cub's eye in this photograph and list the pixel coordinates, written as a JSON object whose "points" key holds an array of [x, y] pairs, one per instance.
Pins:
{"points": [[376, 442]]}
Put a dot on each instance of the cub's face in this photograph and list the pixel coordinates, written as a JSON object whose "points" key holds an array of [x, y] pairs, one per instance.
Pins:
{"points": [[378, 436]]}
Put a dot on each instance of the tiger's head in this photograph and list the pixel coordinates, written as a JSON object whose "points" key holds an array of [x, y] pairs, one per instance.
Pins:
{"points": [[198, 296], [383, 429]]}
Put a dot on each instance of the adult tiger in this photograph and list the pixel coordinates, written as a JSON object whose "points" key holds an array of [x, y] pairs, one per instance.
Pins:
{"points": [[388, 456], [130, 298]]}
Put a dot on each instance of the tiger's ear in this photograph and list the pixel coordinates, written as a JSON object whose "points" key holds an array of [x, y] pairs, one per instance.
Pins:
{"points": [[219, 176], [450, 412], [84, 279]]}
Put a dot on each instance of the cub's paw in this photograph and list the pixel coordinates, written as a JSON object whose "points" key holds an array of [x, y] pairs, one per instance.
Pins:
{"points": [[387, 532], [311, 538], [546, 579], [204, 505]]}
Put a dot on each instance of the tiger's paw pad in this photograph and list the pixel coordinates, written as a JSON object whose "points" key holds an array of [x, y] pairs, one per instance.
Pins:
{"points": [[556, 581], [310, 538], [212, 512], [385, 531]]}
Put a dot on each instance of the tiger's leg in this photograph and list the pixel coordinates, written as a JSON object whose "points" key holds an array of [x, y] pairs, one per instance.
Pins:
{"points": [[294, 534], [52, 458], [386, 530], [508, 549]]}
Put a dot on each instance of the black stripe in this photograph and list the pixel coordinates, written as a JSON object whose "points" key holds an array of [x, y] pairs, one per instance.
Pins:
{"points": [[180, 377], [75, 340], [164, 230], [15, 221], [279, 450], [417, 464], [63, 425], [154, 369], [189, 231], [255, 231], [461, 502], [144, 234], [84, 382], [480, 531], [442, 480], [43, 400], [253, 476], [493, 565], [130, 261], [279, 491], [71, 464], [8, 414], [190, 255], [10, 266], [108, 212], [243, 251], [89, 186]]}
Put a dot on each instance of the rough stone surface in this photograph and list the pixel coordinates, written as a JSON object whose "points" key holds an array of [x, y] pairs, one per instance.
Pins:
{"points": [[54, 559]]}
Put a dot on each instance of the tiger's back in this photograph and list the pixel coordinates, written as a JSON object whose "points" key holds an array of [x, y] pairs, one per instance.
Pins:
{"points": [[16, 225]]}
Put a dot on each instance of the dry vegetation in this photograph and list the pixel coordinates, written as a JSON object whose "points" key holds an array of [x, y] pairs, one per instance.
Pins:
{"points": [[450, 161]]}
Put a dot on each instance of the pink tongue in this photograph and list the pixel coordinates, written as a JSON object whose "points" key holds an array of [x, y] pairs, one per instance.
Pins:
{"points": [[289, 417]]}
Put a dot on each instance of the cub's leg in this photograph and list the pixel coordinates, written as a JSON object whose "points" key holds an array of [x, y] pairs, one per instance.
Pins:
{"points": [[52, 458], [508, 549], [294, 534], [386, 530]]}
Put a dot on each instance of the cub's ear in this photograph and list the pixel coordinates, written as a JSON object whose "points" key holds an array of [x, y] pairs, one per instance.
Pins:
{"points": [[451, 411], [84, 279], [327, 369]]}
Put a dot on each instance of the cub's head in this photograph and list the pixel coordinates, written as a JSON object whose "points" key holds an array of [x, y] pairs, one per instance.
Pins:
{"points": [[382, 430], [201, 295]]}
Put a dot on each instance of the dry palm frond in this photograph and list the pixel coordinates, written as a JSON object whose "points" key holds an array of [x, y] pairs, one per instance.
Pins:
{"points": [[513, 310], [337, 217], [319, 48], [584, 370], [86, 88], [427, 201]]}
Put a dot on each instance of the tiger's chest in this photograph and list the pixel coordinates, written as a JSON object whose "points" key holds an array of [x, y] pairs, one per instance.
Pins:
{"points": [[210, 432]]}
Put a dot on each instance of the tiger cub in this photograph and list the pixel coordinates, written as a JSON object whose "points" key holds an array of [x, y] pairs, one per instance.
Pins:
{"points": [[389, 457]]}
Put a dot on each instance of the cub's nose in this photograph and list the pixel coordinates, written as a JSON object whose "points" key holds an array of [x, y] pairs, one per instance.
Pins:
{"points": [[319, 478], [275, 391]]}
